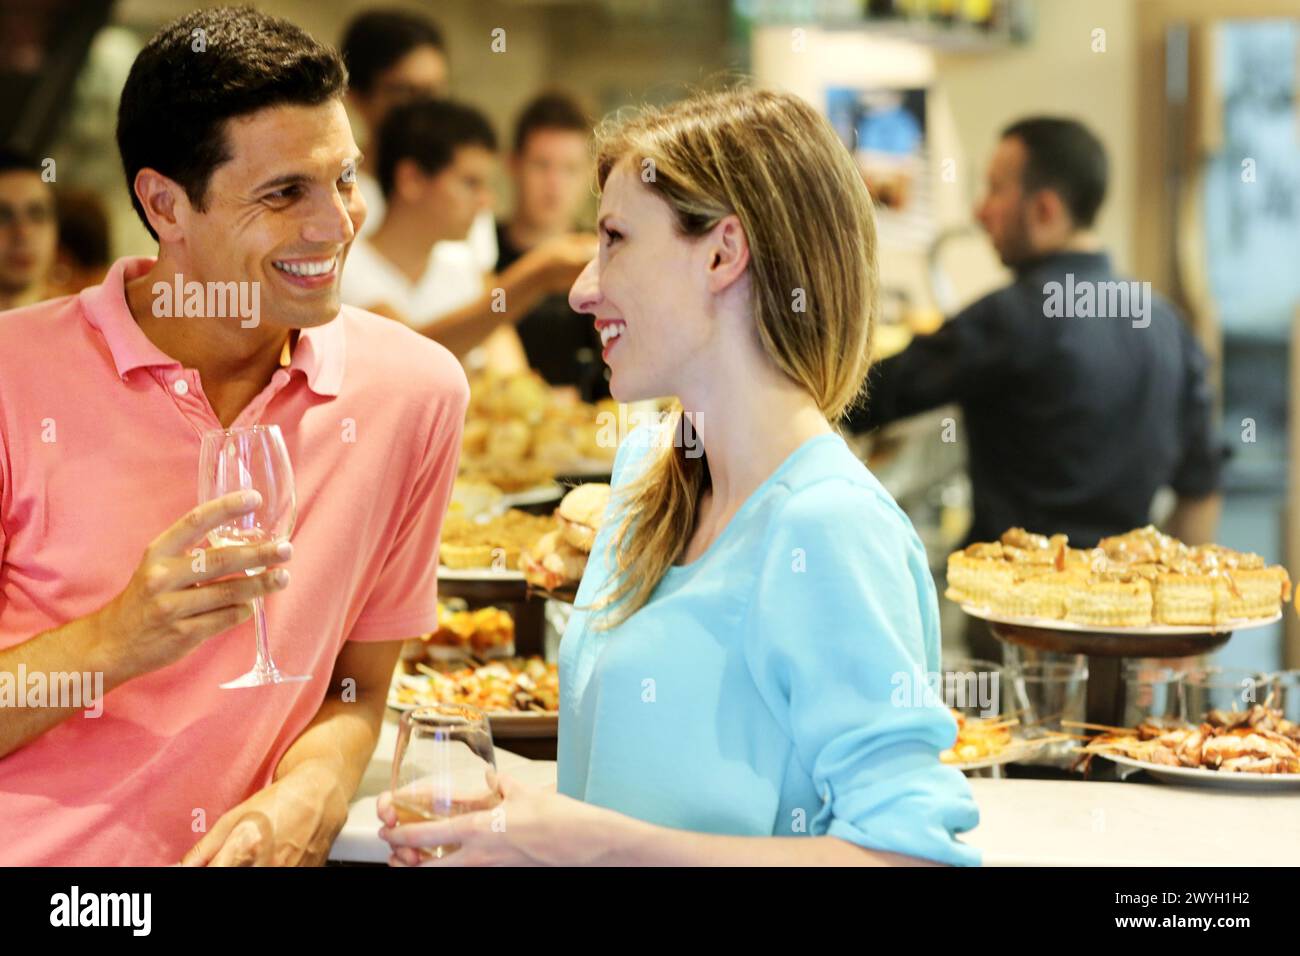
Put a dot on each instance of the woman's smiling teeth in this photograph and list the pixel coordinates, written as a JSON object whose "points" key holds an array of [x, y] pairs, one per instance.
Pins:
{"points": [[307, 267], [608, 333]]}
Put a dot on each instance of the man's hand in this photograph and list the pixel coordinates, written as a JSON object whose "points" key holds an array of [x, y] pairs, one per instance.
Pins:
{"points": [[174, 600], [293, 822]]}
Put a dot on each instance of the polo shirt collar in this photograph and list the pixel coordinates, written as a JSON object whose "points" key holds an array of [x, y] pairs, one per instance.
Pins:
{"points": [[319, 353]]}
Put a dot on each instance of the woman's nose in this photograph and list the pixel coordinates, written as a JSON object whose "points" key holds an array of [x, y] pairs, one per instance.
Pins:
{"points": [[585, 294]]}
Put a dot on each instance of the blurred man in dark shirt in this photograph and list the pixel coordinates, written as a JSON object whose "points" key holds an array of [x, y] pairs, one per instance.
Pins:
{"points": [[551, 169], [1082, 393]]}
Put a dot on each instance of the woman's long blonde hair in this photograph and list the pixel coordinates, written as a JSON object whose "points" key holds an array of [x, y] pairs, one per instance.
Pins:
{"points": [[776, 164]]}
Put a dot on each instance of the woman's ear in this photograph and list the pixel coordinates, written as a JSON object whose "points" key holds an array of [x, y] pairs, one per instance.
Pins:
{"points": [[728, 250]]}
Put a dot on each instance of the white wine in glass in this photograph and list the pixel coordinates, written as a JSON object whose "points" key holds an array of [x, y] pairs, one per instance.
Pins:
{"points": [[443, 766], [239, 459]]}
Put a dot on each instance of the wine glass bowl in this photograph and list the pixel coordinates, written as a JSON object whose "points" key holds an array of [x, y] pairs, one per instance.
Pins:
{"points": [[443, 766], [241, 459]]}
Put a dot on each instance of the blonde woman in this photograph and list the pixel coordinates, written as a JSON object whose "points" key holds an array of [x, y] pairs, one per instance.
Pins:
{"points": [[749, 613]]}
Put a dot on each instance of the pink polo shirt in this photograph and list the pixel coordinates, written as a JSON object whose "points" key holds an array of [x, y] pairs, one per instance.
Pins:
{"points": [[99, 452]]}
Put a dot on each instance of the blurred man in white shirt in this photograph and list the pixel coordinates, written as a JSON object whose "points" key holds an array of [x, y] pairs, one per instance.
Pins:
{"points": [[436, 158]]}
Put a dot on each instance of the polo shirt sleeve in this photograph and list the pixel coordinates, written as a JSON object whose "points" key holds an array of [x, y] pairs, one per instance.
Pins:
{"points": [[404, 600], [1199, 471], [845, 616]]}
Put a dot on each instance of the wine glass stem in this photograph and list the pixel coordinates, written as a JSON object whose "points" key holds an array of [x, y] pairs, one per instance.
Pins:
{"points": [[264, 663]]}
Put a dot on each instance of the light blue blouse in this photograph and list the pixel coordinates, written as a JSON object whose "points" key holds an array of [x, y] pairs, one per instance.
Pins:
{"points": [[758, 691]]}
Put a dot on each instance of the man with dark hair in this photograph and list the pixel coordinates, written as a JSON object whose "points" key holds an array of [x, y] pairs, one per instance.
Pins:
{"points": [[83, 254], [1082, 393], [393, 57], [240, 160], [436, 159], [551, 169], [28, 231]]}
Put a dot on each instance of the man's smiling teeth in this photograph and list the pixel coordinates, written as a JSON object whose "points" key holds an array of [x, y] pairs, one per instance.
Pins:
{"points": [[308, 267], [609, 333]]}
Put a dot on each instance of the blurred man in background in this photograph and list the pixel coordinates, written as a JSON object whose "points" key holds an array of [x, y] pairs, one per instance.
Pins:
{"points": [[436, 160], [395, 57], [1074, 421], [1076, 412], [28, 231], [83, 255], [551, 170]]}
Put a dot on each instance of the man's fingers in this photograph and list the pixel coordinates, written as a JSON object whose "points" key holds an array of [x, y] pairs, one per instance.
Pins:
{"points": [[247, 844], [218, 594], [199, 521], [202, 626], [203, 851], [213, 563]]}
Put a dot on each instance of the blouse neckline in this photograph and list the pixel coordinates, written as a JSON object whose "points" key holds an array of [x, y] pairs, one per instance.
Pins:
{"points": [[676, 570]]}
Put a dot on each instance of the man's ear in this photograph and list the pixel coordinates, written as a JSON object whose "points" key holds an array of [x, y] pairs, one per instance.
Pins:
{"points": [[1048, 211], [408, 180], [728, 249], [163, 200]]}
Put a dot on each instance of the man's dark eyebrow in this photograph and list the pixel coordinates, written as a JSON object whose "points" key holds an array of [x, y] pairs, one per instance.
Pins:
{"points": [[297, 179], [289, 179]]}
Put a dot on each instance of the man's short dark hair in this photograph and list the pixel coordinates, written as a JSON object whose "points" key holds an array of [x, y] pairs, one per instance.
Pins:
{"points": [[552, 110], [203, 69], [377, 39], [429, 132], [1063, 155], [12, 160]]}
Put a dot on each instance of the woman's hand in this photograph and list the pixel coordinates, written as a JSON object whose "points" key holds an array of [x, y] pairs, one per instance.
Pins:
{"points": [[530, 827]]}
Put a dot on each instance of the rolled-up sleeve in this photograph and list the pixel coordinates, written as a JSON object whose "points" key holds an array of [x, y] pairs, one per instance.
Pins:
{"points": [[842, 632]]}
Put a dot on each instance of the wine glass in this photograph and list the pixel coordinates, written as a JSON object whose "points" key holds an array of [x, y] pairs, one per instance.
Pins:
{"points": [[443, 766], [236, 459]]}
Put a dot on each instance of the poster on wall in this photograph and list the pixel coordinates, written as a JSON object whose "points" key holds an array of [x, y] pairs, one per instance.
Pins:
{"points": [[885, 131]]}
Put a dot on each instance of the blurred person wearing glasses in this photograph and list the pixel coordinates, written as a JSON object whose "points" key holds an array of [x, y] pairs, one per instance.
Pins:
{"points": [[29, 234], [395, 57]]}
